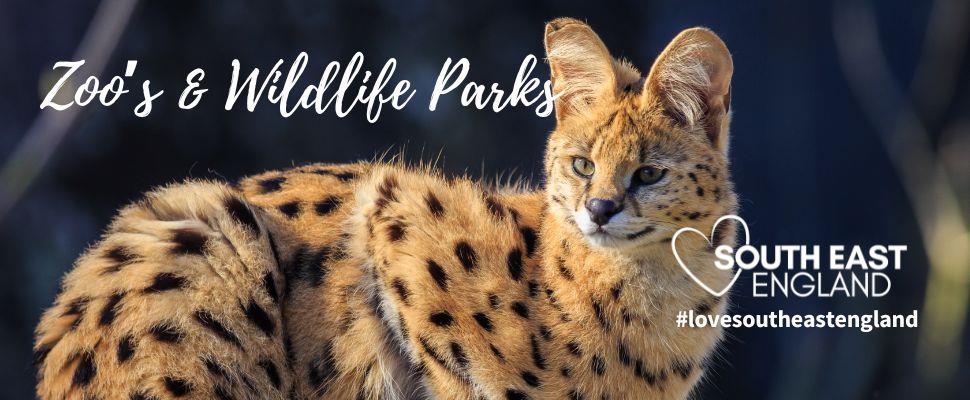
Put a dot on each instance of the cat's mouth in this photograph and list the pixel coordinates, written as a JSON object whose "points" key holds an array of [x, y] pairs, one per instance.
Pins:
{"points": [[614, 234], [602, 238]]}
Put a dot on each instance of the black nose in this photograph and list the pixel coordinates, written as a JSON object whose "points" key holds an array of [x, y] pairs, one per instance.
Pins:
{"points": [[600, 210]]}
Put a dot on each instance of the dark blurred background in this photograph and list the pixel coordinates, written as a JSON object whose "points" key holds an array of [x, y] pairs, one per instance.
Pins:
{"points": [[851, 126]]}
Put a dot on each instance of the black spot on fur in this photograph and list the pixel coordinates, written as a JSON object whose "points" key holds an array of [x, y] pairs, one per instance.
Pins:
{"points": [[545, 333], [76, 306], [520, 309], [396, 231], [290, 352], [110, 309], [177, 387], [241, 213], [222, 393], [309, 267], [533, 289], [600, 316], [530, 379], [598, 365], [326, 206], [493, 301], [258, 317], [209, 322], [189, 242], [120, 256], [387, 187], [566, 372], [166, 332], [574, 395], [515, 264], [700, 191], [214, 368], [271, 184], [126, 348], [530, 238], [648, 376], [438, 274], [248, 382], [434, 205], [514, 214], [693, 215], [166, 281], [494, 207], [564, 270], [271, 372], [441, 318], [512, 394], [459, 355], [573, 348], [537, 358], [76, 323], [402, 290], [344, 176], [142, 395], [466, 255], [682, 368], [275, 251], [623, 354], [702, 308], [645, 231], [483, 321], [433, 353], [269, 283], [290, 209], [498, 354], [41, 352], [616, 290], [323, 369], [85, 370], [692, 176]]}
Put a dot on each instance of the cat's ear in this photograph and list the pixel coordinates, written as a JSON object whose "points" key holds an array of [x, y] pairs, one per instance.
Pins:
{"points": [[691, 81], [582, 68]]}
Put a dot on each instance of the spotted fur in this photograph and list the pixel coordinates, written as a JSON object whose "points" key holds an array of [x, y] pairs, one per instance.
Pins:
{"points": [[381, 281]]}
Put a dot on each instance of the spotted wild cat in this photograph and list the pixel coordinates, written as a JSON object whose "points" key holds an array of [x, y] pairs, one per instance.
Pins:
{"points": [[377, 280]]}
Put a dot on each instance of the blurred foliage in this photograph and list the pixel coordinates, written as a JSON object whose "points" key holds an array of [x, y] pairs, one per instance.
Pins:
{"points": [[808, 164]]}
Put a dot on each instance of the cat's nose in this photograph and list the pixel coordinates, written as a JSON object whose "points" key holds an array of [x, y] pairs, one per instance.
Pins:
{"points": [[600, 210]]}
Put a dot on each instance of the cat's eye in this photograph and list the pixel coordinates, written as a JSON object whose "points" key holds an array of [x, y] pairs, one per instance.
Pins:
{"points": [[583, 167], [649, 175]]}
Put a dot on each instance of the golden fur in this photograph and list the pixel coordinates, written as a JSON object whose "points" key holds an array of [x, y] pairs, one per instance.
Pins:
{"points": [[374, 280]]}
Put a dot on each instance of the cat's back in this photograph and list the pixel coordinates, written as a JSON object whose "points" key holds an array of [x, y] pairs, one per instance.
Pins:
{"points": [[430, 280]]}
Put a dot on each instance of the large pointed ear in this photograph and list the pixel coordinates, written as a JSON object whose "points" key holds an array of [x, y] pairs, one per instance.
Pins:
{"points": [[691, 80], [582, 68]]}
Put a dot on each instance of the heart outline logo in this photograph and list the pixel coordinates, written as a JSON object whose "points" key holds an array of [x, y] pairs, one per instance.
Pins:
{"points": [[737, 272]]}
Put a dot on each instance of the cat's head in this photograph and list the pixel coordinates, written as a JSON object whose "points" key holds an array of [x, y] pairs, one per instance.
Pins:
{"points": [[633, 158]]}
